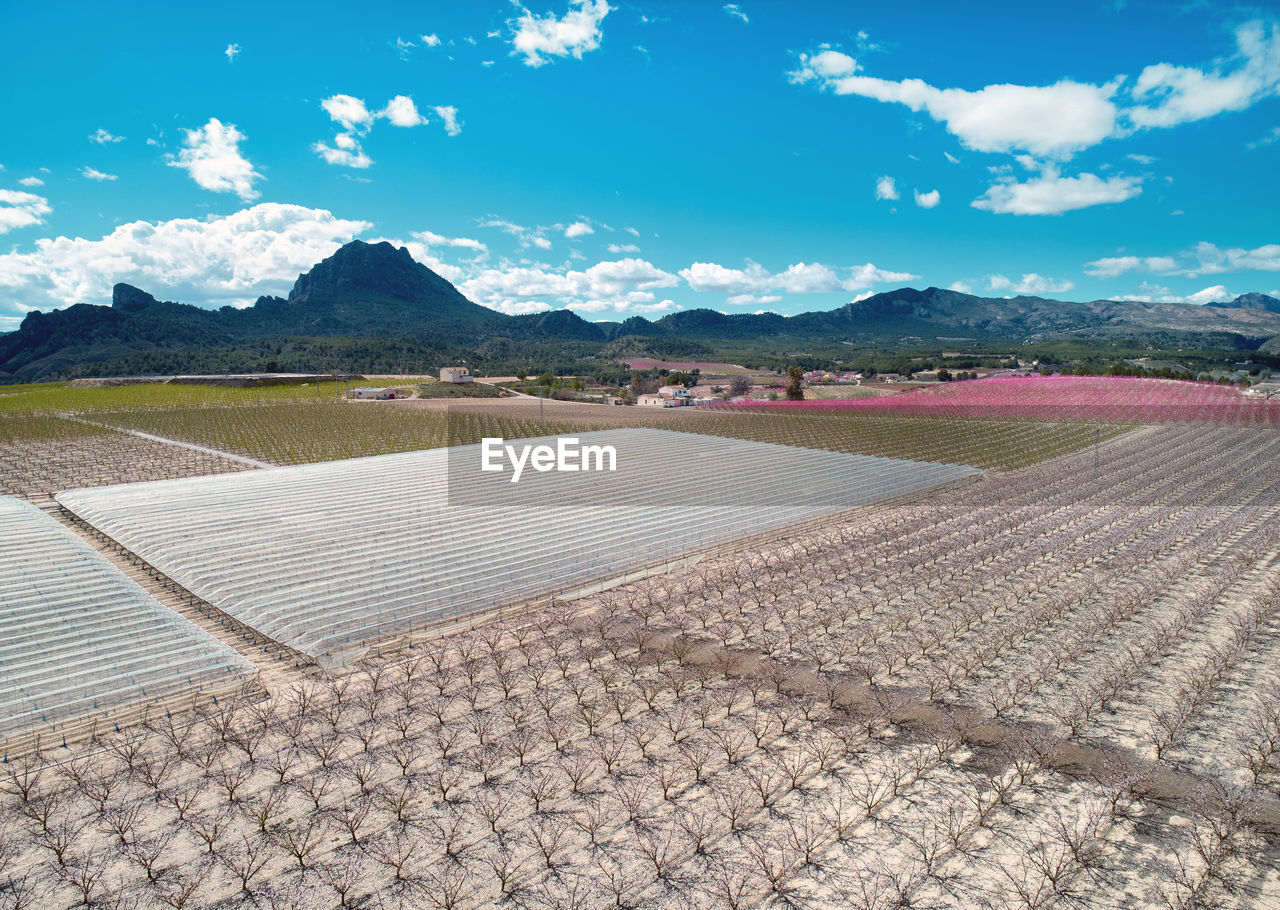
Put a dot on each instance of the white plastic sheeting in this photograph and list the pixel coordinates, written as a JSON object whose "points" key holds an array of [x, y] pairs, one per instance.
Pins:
{"points": [[79, 639], [325, 556]]}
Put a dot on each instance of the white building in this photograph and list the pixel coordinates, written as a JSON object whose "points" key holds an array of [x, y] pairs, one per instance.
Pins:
{"points": [[375, 394], [455, 374]]}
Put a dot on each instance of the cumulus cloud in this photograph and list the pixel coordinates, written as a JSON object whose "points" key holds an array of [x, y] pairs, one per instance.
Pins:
{"points": [[1171, 95], [618, 285], [1202, 259], [211, 157], [578, 229], [346, 152], [232, 52], [1214, 294], [963, 287], [31, 181], [102, 137], [927, 200], [92, 173], [801, 278], [401, 111], [229, 259], [1147, 292], [1055, 121], [735, 11], [431, 40], [448, 115], [1049, 121], [1030, 283], [19, 209], [886, 188], [623, 248], [356, 119], [349, 112], [1210, 260], [575, 33], [1113, 266], [1052, 194]]}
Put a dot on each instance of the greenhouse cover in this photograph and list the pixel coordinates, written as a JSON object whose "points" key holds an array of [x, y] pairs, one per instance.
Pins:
{"points": [[325, 557], [79, 639]]}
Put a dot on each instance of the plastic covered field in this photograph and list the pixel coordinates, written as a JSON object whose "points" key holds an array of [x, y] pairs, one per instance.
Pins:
{"points": [[79, 640], [323, 557]]}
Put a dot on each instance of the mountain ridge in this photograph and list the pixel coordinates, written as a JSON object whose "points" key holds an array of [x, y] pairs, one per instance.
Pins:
{"points": [[367, 292]]}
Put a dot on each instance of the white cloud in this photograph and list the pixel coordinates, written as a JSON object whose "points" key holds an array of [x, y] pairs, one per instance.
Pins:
{"points": [[752, 299], [354, 116], [1183, 94], [430, 239], [1272, 135], [927, 200], [963, 287], [623, 248], [1051, 194], [1210, 260], [571, 35], [823, 66], [800, 278], [1052, 121], [1113, 266], [1030, 283], [102, 137], [346, 152], [1146, 160], [632, 231], [1211, 295], [735, 11], [232, 52], [19, 209], [526, 236], [952, 158], [886, 188], [620, 285], [211, 156], [401, 111], [230, 259], [92, 173], [349, 112], [578, 229], [1203, 259], [431, 40], [448, 114], [31, 181]]}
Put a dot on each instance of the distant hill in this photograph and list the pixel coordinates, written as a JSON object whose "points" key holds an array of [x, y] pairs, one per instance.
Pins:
{"points": [[1253, 301], [369, 306]]}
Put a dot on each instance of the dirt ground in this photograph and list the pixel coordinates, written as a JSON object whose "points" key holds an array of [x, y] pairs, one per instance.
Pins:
{"points": [[1042, 690]]}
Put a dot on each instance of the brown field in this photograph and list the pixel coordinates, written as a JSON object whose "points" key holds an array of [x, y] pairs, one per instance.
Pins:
{"points": [[1054, 688]]}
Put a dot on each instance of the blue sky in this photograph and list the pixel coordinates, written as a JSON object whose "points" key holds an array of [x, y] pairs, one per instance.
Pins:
{"points": [[639, 157]]}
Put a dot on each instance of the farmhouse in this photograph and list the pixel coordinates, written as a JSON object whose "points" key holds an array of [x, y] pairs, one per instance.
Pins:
{"points": [[455, 374], [374, 394]]}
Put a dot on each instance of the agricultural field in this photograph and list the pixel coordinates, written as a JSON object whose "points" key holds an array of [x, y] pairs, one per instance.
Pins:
{"points": [[1052, 689], [306, 424], [1057, 686]]}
